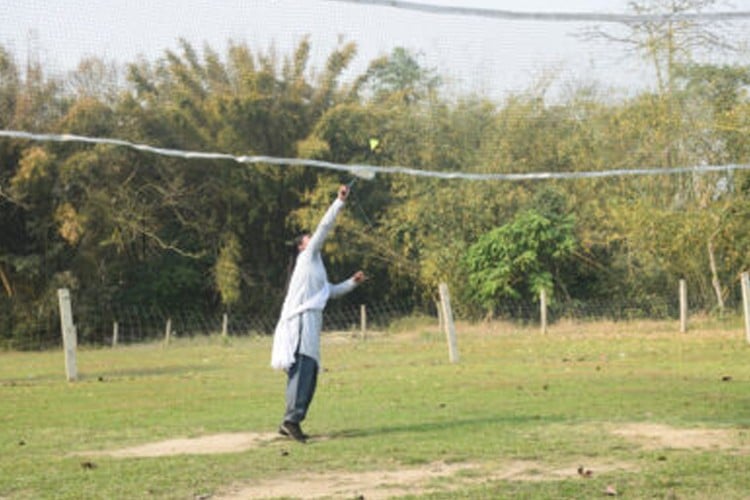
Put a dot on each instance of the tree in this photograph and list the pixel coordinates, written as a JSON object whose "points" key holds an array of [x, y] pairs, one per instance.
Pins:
{"points": [[670, 40], [667, 43], [399, 77], [251, 103], [227, 271], [716, 101], [518, 260], [95, 78], [30, 246], [9, 88]]}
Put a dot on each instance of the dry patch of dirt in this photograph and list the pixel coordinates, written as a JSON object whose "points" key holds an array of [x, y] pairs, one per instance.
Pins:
{"points": [[382, 484], [378, 484], [433, 477], [205, 445], [658, 436]]}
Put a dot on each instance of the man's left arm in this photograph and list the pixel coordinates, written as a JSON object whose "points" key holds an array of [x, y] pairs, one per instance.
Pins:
{"points": [[347, 286]]}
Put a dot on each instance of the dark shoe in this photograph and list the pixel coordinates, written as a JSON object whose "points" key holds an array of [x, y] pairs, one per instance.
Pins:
{"points": [[294, 431]]}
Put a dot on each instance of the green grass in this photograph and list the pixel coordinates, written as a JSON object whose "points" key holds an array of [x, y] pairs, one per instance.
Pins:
{"points": [[391, 402]]}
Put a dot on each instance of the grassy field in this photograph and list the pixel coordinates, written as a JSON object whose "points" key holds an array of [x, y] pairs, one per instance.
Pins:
{"points": [[516, 417]]}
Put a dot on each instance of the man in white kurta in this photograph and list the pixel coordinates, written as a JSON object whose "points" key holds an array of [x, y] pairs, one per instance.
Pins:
{"points": [[296, 343]]}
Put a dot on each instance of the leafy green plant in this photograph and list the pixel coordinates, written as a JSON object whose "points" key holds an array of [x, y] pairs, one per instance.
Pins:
{"points": [[517, 260]]}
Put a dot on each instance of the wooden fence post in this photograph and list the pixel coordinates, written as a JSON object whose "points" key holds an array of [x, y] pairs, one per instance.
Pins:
{"points": [[363, 321], [441, 316], [115, 333], [543, 310], [683, 306], [745, 279], [168, 332], [450, 327], [224, 325], [70, 339]]}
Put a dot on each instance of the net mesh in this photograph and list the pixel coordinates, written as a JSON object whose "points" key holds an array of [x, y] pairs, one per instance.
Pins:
{"points": [[235, 122], [473, 45]]}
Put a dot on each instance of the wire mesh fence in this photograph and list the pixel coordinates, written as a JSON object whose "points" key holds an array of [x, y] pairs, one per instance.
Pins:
{"points": [[103, 325], [127, 325]]}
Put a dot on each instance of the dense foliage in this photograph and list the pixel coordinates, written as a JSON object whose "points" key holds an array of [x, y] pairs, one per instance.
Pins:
{"points": [[121, 228]]}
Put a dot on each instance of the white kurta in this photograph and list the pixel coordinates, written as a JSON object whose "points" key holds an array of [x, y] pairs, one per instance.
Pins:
{"points": [[301, 317]]}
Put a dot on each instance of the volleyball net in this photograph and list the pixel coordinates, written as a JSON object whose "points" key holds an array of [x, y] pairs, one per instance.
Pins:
{"points": [[602, 153]]}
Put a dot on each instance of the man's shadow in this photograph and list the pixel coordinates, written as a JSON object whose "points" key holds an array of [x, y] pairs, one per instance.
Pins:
{"points": [[450, 425]]}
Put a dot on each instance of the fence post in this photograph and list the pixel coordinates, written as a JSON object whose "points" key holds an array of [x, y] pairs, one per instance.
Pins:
{"points": [[363, 321], [745, 279], [441, 316], [450, 328], [224, 324], [115, 333], [543, 309], [168, 332], [683, 306], [70, 340]]}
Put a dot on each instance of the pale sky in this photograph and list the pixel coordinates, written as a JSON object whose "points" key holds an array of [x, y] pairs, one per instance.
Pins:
{"points": [[489, 56]]}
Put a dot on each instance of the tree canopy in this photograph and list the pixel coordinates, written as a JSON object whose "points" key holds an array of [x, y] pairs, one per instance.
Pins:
{"points": [[123, 228]]}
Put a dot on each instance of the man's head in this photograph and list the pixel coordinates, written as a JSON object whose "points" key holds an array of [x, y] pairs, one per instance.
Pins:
{"points": [[301, 241]]}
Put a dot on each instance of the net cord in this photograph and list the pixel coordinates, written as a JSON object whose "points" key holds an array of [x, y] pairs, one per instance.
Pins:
{"points": [[368, 171], [552, 16]]}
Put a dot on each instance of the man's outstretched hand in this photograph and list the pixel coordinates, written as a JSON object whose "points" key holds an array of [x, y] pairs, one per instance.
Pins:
{"points": [[359, 276]]}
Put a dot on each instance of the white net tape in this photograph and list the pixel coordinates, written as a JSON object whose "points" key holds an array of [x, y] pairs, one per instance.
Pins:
{"points": [[369, 171]]}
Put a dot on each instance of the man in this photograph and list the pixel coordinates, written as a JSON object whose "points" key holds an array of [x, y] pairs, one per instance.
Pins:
{"points": [[296, 342]]}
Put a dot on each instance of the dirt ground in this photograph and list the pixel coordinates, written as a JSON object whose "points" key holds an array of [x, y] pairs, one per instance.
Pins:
{"points": [[382, 484], [656, 436], [205, 445], [438, 476]]}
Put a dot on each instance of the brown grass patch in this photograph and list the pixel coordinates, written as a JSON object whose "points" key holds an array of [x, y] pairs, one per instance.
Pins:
{"points": [[205, 445], [658, 436], [434, 477]]}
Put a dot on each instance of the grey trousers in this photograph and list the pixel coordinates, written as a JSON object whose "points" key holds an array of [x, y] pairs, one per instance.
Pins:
{"points": [[300, 387]]}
